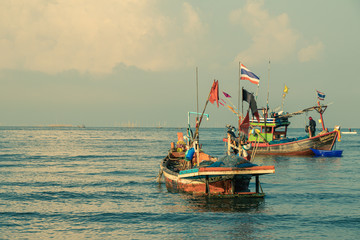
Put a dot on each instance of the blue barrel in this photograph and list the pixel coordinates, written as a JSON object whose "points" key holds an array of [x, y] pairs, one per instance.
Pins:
{"points": [[190, 154]]}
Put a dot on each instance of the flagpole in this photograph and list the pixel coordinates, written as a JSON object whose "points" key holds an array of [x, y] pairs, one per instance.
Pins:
{"points": [[267, 99], [197, 93], [239, 105], [242, 101], [201, 117], [282, 102], [239, 88]]}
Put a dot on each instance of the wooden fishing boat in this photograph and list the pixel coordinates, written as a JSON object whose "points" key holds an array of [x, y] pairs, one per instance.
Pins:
{"points": [[212, 177], [269, 136], [186, 168]]}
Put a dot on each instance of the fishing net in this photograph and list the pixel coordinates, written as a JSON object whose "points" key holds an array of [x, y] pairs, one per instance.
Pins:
{"points": [[234, 161], [228, 161]]}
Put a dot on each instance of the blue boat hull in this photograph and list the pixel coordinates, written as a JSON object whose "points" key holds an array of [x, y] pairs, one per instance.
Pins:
{"points": [[327, 153]]}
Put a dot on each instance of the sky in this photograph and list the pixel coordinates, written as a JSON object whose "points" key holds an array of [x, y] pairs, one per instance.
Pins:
{"points": [[111, 63]]}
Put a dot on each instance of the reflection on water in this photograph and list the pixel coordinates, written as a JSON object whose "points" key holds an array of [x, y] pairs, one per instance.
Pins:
{"points": [[184, 202], [209, 204]]}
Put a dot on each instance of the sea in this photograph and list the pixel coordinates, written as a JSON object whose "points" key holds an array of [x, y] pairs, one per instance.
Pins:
{"points": [[101, 183]]}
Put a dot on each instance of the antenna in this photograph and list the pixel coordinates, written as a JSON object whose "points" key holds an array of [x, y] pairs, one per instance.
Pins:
{"points": [[267, 99]]}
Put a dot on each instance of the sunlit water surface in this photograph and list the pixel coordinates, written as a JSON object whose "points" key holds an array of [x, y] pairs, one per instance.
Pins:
{"points": [[99, 183]]}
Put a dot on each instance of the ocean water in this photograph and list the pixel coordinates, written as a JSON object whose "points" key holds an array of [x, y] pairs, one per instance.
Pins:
{"points": [[100, 183]]}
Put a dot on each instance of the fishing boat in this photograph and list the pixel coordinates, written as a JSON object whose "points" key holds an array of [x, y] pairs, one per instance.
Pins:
{"points": [[212, 177], [349, 132], [268, 135], [187, 168]]}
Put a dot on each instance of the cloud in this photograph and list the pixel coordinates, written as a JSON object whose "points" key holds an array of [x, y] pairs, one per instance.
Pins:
{"points": [[271, 36], [311, 52], [94, 36]]}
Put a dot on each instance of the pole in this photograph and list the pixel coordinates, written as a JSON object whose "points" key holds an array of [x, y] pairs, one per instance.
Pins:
{"points": [[239, 90], [239, 102], [242, 102], [267, 99], [321, 116], [197, 91], [196, 136]]}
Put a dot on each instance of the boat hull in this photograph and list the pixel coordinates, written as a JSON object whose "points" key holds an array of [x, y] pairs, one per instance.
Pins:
{"points": [[297, 148], [325, 153], [215, 182]]}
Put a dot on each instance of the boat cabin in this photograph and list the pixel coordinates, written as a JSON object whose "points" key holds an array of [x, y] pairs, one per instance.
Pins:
{"points": [[268, 129]]}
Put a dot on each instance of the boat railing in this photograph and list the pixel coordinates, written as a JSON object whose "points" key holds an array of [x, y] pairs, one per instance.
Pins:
{"points": [[262, 120]]}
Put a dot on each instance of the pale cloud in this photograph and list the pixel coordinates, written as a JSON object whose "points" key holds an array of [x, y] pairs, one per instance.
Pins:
{"points": [[311, 52], [193, 23], [95, 36], [272, 36]]}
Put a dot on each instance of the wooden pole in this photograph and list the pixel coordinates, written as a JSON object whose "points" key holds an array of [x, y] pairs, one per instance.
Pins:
{"points": [[196, 136], [267, 99], [207, 188], [239, 89], [197, 92], [321, 116], [257, 183]]}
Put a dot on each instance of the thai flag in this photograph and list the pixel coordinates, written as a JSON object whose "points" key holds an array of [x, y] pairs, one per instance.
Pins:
{"points": [[246, 74], [321, 95]]}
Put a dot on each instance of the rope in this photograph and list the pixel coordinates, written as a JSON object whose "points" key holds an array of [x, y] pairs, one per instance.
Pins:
{"points": [[255, 149]]}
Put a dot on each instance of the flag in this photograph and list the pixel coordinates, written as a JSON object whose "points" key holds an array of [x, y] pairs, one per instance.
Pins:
{"points": [[214, 93], [286, 89], [246, 96], [321, 95], [246, 74], [249, 98], [226, 95], [222, 104], [245, 124], [231, 109]]}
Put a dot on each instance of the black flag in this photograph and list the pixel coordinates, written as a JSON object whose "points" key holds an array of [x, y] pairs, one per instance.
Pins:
{"points": [[249, 98]]}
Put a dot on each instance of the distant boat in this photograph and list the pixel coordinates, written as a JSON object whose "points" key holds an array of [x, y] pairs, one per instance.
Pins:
{"points": [[349, 132], [269, 136]]}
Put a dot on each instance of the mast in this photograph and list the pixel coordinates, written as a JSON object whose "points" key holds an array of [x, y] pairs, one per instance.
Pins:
{"points": [[283, 100], [197, 91], [267, 99], [239, 90], [321, 111]]}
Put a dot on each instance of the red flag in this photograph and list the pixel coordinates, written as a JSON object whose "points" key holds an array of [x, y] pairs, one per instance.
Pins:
{"points": [[245, 124], [256, 114], [214, 93], [226, 95]]}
